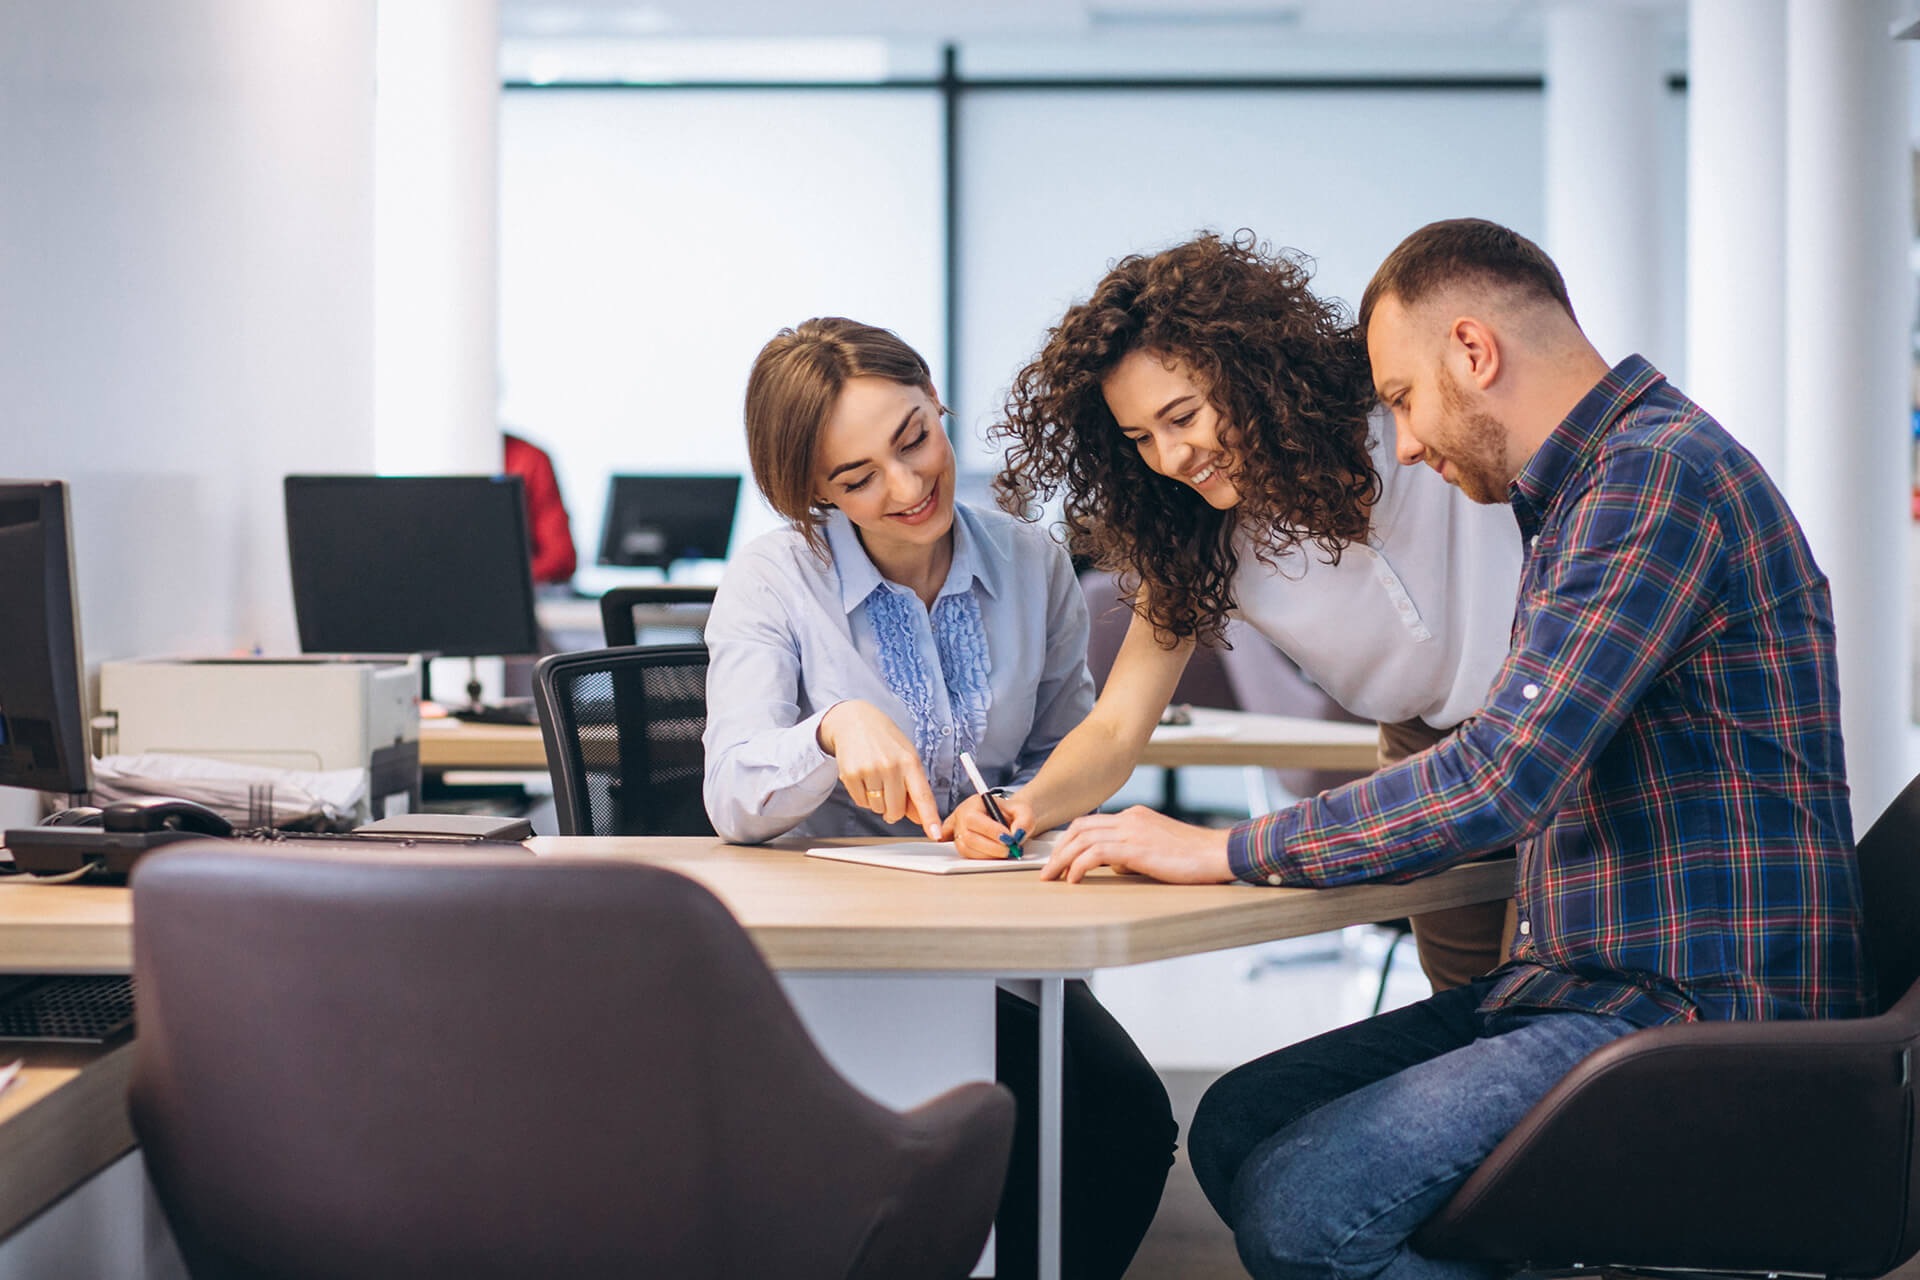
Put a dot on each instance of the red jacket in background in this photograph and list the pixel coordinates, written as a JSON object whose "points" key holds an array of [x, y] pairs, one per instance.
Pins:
{"points": [[547, 527]]}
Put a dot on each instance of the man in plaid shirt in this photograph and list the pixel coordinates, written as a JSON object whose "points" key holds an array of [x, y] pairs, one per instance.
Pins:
{"points": [[1663, 744]]}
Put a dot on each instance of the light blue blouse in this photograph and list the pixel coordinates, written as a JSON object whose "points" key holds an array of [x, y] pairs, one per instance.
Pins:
{"points": [[997, 667]]}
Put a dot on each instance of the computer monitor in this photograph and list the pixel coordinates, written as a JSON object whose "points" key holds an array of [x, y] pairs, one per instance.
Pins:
{"points": [[411, 564], [43, 720], [656, 520]]}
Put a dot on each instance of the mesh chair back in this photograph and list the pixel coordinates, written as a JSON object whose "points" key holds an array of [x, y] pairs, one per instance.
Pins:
{"points": [[666, 615], [622, 729], [1890, 895]]}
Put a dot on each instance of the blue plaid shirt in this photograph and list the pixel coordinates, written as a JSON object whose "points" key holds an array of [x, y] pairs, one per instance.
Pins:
{"points": [[1666, 730]]}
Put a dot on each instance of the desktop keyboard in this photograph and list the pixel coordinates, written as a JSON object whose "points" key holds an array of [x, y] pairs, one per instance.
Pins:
{"points": [[72, 1010], [498, 713], [66, 851]]}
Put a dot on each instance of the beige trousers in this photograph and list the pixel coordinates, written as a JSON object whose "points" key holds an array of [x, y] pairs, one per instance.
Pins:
{"points": [[1461, 943]]}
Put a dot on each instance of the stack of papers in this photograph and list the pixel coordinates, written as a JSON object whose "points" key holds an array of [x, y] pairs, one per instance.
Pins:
{"points": [[228, 789]]}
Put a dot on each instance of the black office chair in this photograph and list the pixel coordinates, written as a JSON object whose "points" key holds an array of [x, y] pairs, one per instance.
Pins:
{"points": [[1783, 1147], [622, 730], [679, 610], [397, 1064]]}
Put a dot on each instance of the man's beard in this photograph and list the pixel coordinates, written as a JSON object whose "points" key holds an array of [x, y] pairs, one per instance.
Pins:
{"points": [[1475, 443]]}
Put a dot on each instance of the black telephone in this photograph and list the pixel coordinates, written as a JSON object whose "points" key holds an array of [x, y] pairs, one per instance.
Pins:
{"points": [[163, 813]]}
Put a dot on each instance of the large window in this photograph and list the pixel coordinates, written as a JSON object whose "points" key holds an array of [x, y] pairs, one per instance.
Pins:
{"points": [[653, 237], [1056, 184]]}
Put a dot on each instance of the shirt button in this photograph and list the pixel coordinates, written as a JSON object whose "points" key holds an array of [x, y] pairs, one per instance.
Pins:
{"points": [[946, 731], [1406, 606], [1529, 691], [1273, 878], [1526, 926], [1534, 541]]}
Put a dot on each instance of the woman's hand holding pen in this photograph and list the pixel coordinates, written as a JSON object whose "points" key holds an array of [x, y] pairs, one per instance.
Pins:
{"points": [[976, 835], [878, 764]]}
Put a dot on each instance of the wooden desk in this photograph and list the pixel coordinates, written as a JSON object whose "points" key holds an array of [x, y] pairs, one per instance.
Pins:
{"points": [[848, 940], [61, 1122], [814, 914], [1215, 737], [809, 913], [455, 744], [1268, 742]]}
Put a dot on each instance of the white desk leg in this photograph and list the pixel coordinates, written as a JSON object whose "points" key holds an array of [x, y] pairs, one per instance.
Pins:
{"points": [[1053, 997]]}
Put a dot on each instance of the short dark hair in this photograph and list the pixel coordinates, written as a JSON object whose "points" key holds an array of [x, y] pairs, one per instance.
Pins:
{"points": [[1464, 250], [796, 380]]}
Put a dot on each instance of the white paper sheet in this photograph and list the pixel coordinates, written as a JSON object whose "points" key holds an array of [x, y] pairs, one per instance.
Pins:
{"points": [[936, 859]]}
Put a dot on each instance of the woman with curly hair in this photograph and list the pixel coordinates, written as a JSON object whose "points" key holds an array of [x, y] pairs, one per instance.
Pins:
{"points": [[1211, 424]]}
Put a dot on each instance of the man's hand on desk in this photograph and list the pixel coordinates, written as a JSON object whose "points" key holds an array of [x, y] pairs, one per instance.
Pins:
{"points": [[1143, 842]]}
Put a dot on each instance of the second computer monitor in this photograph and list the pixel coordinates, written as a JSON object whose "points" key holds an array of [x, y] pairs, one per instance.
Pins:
{"points": [[411, 564], [43, 724], [656, 520]]}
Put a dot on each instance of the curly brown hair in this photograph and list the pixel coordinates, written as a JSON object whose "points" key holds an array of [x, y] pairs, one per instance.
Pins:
{"points": [[1287, 373]]}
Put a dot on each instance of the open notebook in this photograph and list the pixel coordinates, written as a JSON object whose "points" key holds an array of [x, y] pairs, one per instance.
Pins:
{"points": [[937, 859]]}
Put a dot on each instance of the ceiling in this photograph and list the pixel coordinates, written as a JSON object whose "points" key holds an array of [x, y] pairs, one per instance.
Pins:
{"points": [[935, 19]]}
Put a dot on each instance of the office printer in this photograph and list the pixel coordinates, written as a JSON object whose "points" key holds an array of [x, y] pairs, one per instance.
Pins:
{"points": [[317, 711]]}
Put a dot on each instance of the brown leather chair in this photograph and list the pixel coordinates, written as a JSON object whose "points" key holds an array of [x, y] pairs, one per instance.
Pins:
{"points": [[1745, 1146], [388, 1064]]}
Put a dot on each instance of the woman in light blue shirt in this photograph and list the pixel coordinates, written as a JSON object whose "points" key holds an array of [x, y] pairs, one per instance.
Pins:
{"points": [[841, 694], [857, 653]]}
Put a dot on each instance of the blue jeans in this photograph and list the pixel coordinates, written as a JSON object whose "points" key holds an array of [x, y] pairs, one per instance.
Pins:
{"points": [[1326, 1156]]}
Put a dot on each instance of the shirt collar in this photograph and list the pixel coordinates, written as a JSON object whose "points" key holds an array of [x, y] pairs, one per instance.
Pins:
{"points": [[1571, 446], [974, 558]]}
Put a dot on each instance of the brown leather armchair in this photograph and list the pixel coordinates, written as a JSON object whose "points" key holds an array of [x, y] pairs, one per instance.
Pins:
{"points": [[1757, 1146], [389, 1064]]}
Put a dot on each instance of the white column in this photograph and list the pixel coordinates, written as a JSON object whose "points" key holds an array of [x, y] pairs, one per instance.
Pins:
{"points": [[1605, 85], [1736, 220], [1849, 290], [436, 237], [186, 294]]}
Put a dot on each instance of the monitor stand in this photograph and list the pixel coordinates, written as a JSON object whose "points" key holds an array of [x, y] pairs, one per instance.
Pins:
{"points": [[506, 711]]}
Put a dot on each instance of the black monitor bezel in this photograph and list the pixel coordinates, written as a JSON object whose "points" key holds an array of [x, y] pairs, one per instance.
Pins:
{"points": [[65, 668], [310, 615], [611, 525]]}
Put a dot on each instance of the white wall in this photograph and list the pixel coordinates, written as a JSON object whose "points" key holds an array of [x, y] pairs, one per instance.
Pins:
{"points": [[651, 243], [185, 294]]}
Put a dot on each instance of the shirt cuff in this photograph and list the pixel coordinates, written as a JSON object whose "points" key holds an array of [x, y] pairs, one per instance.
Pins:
{"points": [[804, 758], [1242, 842]]}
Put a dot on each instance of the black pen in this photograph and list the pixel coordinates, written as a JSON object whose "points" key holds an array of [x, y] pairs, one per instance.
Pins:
{"points": [[987, 794]]}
